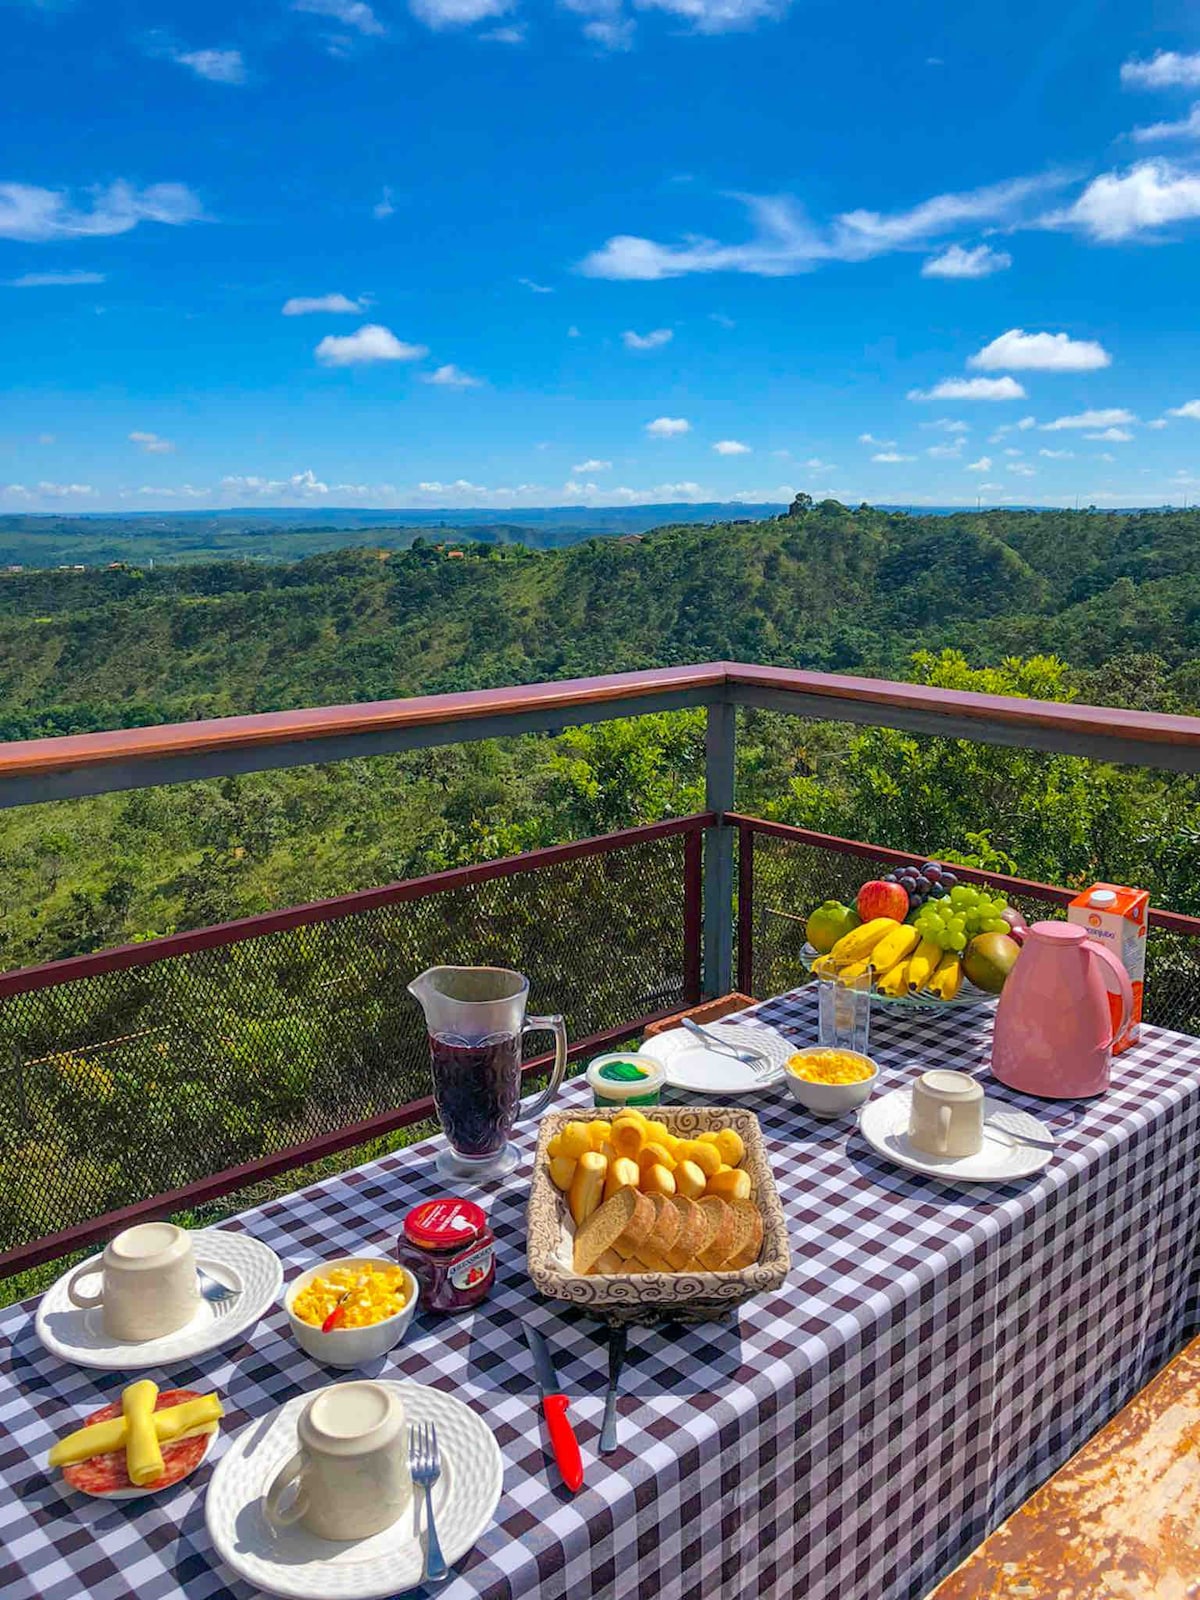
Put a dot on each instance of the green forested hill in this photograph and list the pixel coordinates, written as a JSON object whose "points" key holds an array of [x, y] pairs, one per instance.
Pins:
{"points": [[1105, 607], [831, 588]]}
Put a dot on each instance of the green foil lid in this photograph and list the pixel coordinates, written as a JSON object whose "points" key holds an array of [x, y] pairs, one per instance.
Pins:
{"points": [[622, 1072]]}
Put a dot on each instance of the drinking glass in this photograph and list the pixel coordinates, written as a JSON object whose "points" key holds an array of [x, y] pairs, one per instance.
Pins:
{"points": [[844, 1011]]}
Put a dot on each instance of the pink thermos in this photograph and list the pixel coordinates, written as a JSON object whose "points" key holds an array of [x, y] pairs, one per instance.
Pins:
{"points": [[1054, 1029]]}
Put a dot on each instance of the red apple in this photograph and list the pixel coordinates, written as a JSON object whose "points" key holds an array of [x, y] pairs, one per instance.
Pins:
{"points": [[880, 899], [1017, 926]]}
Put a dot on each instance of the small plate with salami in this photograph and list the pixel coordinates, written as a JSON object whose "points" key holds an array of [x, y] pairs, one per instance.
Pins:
{"points": [[78, 1336], [106, 1477]]}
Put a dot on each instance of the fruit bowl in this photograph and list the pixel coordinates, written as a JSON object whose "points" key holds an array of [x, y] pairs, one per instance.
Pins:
{"points": [[968, 995]]}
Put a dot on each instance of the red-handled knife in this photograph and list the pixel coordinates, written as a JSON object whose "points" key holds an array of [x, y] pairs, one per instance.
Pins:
{"points": [[554, 1408]]}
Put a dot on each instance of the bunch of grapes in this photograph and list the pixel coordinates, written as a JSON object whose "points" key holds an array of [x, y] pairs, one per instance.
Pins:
{"points": [[953, 920], [930, 882]]}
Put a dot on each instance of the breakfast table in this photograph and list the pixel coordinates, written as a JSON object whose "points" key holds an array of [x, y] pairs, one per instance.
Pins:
{"points": [[934, 1354]]}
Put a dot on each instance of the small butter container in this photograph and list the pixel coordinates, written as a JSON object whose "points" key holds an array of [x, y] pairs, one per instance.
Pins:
{"points": [[625, 1078]]}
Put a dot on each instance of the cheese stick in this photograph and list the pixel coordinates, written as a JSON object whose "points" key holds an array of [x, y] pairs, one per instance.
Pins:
{"points": [[143, 1458], [170, 1425]]}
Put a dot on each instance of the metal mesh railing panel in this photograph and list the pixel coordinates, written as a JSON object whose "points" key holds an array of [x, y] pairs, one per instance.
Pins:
{"points": [[793, 876], [120, 1086]]}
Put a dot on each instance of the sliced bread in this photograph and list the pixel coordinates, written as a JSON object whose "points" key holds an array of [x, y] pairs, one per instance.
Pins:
{"points": [[665, 1232], [693, 1232], [748, 1242], [626, 1216], [714, 1256]]}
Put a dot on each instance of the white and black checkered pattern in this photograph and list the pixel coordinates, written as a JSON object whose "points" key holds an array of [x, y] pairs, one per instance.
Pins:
{"points": [[934, 1354]]}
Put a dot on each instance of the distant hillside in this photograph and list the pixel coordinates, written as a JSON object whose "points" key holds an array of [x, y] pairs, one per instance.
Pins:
{"points": [[832, 588], [282, 534]]}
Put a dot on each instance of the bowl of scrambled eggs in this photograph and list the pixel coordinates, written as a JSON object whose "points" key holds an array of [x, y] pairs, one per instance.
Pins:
{"points": [[375, 1300], [828, 1082]]}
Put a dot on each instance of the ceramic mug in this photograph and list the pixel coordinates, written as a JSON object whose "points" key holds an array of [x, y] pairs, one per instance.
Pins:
{"points": [[352, 1464], [947, 1114], [149, 1282]]}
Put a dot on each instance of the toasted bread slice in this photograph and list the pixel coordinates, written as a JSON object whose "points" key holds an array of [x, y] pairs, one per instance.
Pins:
{"points": [[609, 1262], [626, 1215], [665, 1231], [748, 1245], [693, 1232], [716, 1253], [646, 1261]]}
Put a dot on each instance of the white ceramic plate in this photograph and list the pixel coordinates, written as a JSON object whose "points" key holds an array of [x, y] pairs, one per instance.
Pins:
{"points": [[297, 1564], [78, 1336], [134, 1493], [1003, 1158], [691, 1065]]}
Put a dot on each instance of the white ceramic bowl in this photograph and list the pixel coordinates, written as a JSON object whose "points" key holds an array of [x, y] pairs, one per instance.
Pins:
{"points": [[350, 1347], [830, 1100]]}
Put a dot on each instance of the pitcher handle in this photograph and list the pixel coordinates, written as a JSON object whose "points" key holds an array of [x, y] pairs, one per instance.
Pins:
{"points": [[556, 1025], [1124, 989]]}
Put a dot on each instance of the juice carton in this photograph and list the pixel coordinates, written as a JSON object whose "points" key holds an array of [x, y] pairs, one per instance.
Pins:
{"points": [[1117, 917]]}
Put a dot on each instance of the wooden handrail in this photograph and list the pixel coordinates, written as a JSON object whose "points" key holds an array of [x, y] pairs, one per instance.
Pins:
{"points": [[1106, 732]]}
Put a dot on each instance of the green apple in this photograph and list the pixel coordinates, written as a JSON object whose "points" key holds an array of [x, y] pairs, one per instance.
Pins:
{"points": [[828, 923]]}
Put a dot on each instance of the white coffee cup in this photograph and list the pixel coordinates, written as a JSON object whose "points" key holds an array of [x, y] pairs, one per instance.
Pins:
{"points": [[947, 1114], [149, 1282], [352, 1464]]}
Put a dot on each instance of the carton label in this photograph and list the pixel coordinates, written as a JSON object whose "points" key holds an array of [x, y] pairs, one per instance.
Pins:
{"points": [[1121, 925]]}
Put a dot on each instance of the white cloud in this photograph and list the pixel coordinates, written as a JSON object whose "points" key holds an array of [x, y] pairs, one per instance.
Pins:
{"points": [[218, 66], [592, 465], [721, 320], [1040, 352], [786, 242], [891, 455], [1022, 469], [1120, 205], [647, 341], [1111, 436], [151, 443], [1190, 408], [610, 33], [1187, 128], [353, 14], [956, 262], [947, 452], [304, 305], [720, 16], [1112, 417], [1057, 455], [53, 280], [668, 427], [383, 207], [882, 444], [573, 332], [535, 288], [452, 377], [1010, 451], [46, 438], [731, 447], [301, 485], [948, 425], [814, 463], [1104, 456], [984, 464], [515, 35], [63, 491], [1026, 423], [456, 13], [33, 214], [971, 389], [1164, 70], [370, 343], [1161, 422]]}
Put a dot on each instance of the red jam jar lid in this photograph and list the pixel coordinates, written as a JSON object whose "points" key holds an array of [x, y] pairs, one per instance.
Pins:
{"points": [[444, 1224]]}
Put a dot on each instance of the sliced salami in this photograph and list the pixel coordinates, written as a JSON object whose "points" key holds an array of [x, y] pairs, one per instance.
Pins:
{"points": [[106, 1474]]}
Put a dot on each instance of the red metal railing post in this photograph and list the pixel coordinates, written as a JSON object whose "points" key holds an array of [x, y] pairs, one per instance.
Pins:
{"points": [[693, 914], [745, 909]]}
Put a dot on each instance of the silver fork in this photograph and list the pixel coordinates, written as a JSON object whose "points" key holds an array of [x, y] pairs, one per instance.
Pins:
{"points": [[426, 1467], [213, 1290], [757, 1060]]}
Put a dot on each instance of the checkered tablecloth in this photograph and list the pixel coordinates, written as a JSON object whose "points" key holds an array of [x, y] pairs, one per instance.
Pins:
{"points": [[933, 1355]]}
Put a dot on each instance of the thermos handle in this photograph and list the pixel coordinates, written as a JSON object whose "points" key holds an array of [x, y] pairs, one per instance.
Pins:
{"points": [[1123, 987]]}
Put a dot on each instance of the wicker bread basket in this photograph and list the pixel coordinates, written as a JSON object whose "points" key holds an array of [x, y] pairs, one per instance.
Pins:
{"points": [[649, 1297]]}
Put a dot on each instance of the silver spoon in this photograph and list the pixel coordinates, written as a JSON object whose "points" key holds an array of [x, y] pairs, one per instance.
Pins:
{"points": [[213, 1290]]}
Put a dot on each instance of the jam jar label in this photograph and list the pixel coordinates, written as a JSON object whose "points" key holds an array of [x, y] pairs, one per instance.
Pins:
{"points": [[471, 1271]]}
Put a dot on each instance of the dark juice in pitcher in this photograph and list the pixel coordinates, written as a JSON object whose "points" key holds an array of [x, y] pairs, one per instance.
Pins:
{"points": [[477, 1090]]}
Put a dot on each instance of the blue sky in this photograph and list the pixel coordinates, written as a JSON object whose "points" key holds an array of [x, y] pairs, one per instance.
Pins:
{"points": [[599, 251]]}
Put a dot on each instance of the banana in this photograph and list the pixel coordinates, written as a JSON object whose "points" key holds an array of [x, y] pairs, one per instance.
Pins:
{"points": [[923, 963], [896, 980], [947, 980], [895, 946], [859, 942]]}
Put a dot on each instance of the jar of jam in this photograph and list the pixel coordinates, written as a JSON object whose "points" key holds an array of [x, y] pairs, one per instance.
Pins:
{"points": [[449, 1248]]}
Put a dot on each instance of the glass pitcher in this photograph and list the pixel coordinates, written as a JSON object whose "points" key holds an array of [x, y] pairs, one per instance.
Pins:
{"points": [[475, 1018]]}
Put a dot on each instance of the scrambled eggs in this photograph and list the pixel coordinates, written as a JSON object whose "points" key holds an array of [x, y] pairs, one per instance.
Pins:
{"points": [[829, 1066], [378, 1293]]}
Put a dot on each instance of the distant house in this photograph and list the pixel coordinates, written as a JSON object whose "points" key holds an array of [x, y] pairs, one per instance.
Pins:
{"points": [[454, 555], [631, 538]]}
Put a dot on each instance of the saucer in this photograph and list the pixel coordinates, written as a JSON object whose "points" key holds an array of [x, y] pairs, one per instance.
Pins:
{"points": [[689, 1064], [78, 1336], [1002, 1159], [300, 1566]]}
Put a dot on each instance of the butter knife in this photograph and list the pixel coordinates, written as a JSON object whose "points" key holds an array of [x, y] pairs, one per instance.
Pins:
{"points": [[618, 1338]]}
